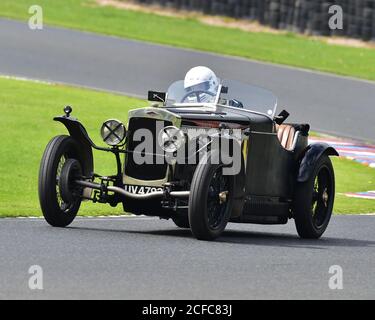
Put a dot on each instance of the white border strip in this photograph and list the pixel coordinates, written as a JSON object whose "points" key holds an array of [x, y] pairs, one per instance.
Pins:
{"points": [[100, 217], [71, 85], [142, 217]]}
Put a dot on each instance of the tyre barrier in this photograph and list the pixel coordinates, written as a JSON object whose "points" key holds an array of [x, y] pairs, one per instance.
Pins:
{"points": [[303, 16]]}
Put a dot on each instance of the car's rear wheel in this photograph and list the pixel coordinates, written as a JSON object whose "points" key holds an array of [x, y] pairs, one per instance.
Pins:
{"points": [[60, 151], [210, 201], [313, 203]]}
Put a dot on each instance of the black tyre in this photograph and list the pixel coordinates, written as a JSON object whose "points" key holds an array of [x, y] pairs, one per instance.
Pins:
{"points": [[181, 221], [56, 211], [313, 203], [210, 201]]}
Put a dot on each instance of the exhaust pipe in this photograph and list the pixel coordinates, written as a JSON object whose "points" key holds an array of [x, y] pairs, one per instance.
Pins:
{"points": [[148, 196]]}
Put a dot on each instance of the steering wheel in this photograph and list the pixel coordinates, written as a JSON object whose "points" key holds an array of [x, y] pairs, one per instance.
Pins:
{"points": [[197, 93]]}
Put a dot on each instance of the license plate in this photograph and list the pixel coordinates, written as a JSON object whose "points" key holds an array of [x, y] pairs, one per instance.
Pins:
{"points": [[141, 189]]}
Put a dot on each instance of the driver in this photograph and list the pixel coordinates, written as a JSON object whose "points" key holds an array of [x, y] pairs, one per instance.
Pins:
{"points": [[202, 84]]}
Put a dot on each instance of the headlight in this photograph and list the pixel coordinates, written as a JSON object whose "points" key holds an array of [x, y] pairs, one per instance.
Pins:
{"points": [[171, 139], [113, 132]]}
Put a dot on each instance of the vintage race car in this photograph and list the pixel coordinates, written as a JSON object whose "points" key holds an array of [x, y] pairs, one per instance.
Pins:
{"points": [[202, 159]]}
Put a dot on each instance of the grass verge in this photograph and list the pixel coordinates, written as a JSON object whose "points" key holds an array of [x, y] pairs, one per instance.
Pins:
{"points": [[352, 176], [27, 109], [289, 49]]}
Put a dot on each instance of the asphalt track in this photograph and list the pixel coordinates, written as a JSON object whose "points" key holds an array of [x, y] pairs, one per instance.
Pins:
{"points": [[329, 103], [130, 258], [145, 258]]}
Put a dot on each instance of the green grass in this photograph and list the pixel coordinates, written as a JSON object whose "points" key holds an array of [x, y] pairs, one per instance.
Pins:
{"points": [[353, 177], [289, 49], [27, 109], [26, 124]]}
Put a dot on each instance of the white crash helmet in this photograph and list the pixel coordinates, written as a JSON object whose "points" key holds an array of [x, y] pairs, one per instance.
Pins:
{"points": [[201, 79]]}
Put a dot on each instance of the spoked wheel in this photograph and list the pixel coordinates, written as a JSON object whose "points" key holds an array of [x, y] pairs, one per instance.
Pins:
{"points": [[217, 204], [210, 201], [60, 158], [314, 200], [197, 94]]}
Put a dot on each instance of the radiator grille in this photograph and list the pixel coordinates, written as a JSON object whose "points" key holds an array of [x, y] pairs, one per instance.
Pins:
{"points": [[144, 171]]}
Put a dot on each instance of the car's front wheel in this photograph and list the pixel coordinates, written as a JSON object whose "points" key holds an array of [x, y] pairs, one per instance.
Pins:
{"points": [[210, 201], [181, 221], [313, 202], [56, 211]]}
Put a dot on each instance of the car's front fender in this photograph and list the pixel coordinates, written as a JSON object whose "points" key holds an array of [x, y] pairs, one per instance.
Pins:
{"points": [[311, 156], [79, 133]]}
